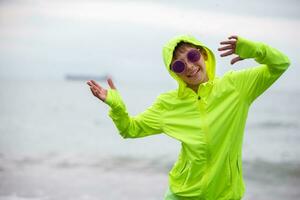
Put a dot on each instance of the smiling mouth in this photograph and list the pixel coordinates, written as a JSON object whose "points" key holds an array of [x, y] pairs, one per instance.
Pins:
{"points": [[194, 73]]}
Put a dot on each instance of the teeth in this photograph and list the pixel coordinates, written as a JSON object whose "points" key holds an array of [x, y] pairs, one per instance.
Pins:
{"points": [[195, 72]]}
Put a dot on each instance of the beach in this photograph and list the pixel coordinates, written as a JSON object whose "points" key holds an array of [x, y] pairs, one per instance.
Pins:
{"points": [[58, 143]]}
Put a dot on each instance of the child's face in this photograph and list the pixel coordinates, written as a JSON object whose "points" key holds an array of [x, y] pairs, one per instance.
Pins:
{"points": [[194, 72]]}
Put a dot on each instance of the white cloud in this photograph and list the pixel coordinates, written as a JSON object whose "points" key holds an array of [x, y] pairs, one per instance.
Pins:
{"points": [[168, 17], [175, 18]]}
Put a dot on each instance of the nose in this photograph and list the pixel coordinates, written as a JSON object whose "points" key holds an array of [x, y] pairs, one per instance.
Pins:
{"points": [[190, 67]]}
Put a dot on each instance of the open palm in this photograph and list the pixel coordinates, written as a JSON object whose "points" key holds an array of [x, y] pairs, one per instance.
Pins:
{"points": [[230, 48], [98, 91]]}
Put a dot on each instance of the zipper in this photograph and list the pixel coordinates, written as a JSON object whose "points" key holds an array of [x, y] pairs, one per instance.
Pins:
{"points": [[203, 118]]}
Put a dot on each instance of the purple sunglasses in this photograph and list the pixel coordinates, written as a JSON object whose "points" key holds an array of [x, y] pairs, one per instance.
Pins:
{"points": [[178, 66]]}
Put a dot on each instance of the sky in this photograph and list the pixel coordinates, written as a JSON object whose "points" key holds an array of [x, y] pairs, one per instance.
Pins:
{"points": [[45, 40]]}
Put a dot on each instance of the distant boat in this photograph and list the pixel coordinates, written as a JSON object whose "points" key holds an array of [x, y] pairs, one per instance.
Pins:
{"points": [[77, 77]]}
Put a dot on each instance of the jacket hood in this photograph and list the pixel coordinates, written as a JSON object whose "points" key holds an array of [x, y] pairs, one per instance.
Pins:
{"points": [[168, 55]]}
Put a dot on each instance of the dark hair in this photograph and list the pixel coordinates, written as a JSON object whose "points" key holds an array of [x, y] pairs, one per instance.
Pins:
{"points": [[180, 47]]}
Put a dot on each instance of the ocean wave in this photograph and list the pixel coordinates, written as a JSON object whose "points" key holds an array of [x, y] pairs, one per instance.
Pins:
{"points": [[143, 165], [274, 125], [18, 197], [105, 163], [65, 176], [266, 171]]}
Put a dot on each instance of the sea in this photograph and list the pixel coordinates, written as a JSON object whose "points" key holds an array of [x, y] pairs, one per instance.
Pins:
{"points": [[57, 142]]}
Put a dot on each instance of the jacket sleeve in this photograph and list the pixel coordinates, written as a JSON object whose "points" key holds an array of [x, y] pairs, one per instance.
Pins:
{"points": [[144, 124], [252, 82]]}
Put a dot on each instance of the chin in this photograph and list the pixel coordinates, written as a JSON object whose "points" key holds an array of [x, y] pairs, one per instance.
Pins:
{"points": [[197, 81], [194, 82]]}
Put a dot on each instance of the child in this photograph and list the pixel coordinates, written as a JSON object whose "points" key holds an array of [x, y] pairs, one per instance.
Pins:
{"points": [[207, 114]]}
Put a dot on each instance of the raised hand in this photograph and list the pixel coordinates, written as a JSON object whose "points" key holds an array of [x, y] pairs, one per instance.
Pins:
{"points": [[230, 46], [98, 91]]}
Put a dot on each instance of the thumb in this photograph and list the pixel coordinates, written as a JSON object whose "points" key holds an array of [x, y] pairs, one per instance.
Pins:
{"points": [[111, 84], [236, 59]]}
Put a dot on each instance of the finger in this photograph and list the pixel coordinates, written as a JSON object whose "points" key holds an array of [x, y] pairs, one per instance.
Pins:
{"points": [[236, 59], [97, 94], [102, 96], [96, 84], [225, 47], [110, 83], [94, 93], [233, 37], [227, 53], [91, 84], [228, 42], [94, 88]]}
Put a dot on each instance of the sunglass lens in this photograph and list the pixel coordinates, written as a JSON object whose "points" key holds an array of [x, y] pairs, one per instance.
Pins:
{"points": [[193, 55], [178, 66]]}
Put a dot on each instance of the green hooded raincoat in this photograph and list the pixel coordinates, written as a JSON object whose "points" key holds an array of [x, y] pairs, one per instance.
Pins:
{"points": [[209, 124]]}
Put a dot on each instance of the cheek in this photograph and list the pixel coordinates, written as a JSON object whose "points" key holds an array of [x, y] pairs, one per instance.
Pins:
{"points": [[184, 78], [203, 66]]}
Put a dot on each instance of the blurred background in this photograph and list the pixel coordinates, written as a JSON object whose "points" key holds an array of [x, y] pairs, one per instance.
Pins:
{"points": [[57, 141]]}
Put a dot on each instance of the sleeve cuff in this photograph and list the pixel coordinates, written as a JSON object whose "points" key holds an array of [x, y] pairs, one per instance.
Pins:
{"points": [[114, 100], [247, 49]]}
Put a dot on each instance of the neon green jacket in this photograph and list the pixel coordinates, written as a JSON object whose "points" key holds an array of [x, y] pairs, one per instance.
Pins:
{"points": [[209, 124]]}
